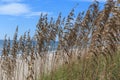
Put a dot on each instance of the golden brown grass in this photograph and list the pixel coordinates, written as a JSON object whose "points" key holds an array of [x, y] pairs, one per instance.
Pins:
{"points": [[82, 40]]}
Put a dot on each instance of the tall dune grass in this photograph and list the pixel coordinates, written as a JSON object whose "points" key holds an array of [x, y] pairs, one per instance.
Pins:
{"points": [[88, 48]]}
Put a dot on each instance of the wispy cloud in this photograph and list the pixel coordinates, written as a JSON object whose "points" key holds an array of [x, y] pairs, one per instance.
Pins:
{"points": [[90, 0], [18, 9], [9, 1], [14, 9], [38, 13]]}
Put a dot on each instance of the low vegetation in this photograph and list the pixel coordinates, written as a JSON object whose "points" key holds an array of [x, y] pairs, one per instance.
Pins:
{"points": [[89, 69]]}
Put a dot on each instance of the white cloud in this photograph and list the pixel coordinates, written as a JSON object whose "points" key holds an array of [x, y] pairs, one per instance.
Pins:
{"points": [[9, 1], [19, 9], [90, 0], [38, 13], [14, 9]]}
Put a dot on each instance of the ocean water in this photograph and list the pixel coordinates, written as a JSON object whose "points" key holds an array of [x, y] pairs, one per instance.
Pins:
{"points": [[1, 43], [53, 45], [1, 46]]}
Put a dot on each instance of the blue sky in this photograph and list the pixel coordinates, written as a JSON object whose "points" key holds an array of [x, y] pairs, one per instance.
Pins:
{"points": [[25, 13]]}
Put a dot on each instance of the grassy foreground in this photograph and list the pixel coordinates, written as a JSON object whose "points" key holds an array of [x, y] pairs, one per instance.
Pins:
{"points": [[90, 68], [86, 47]]}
